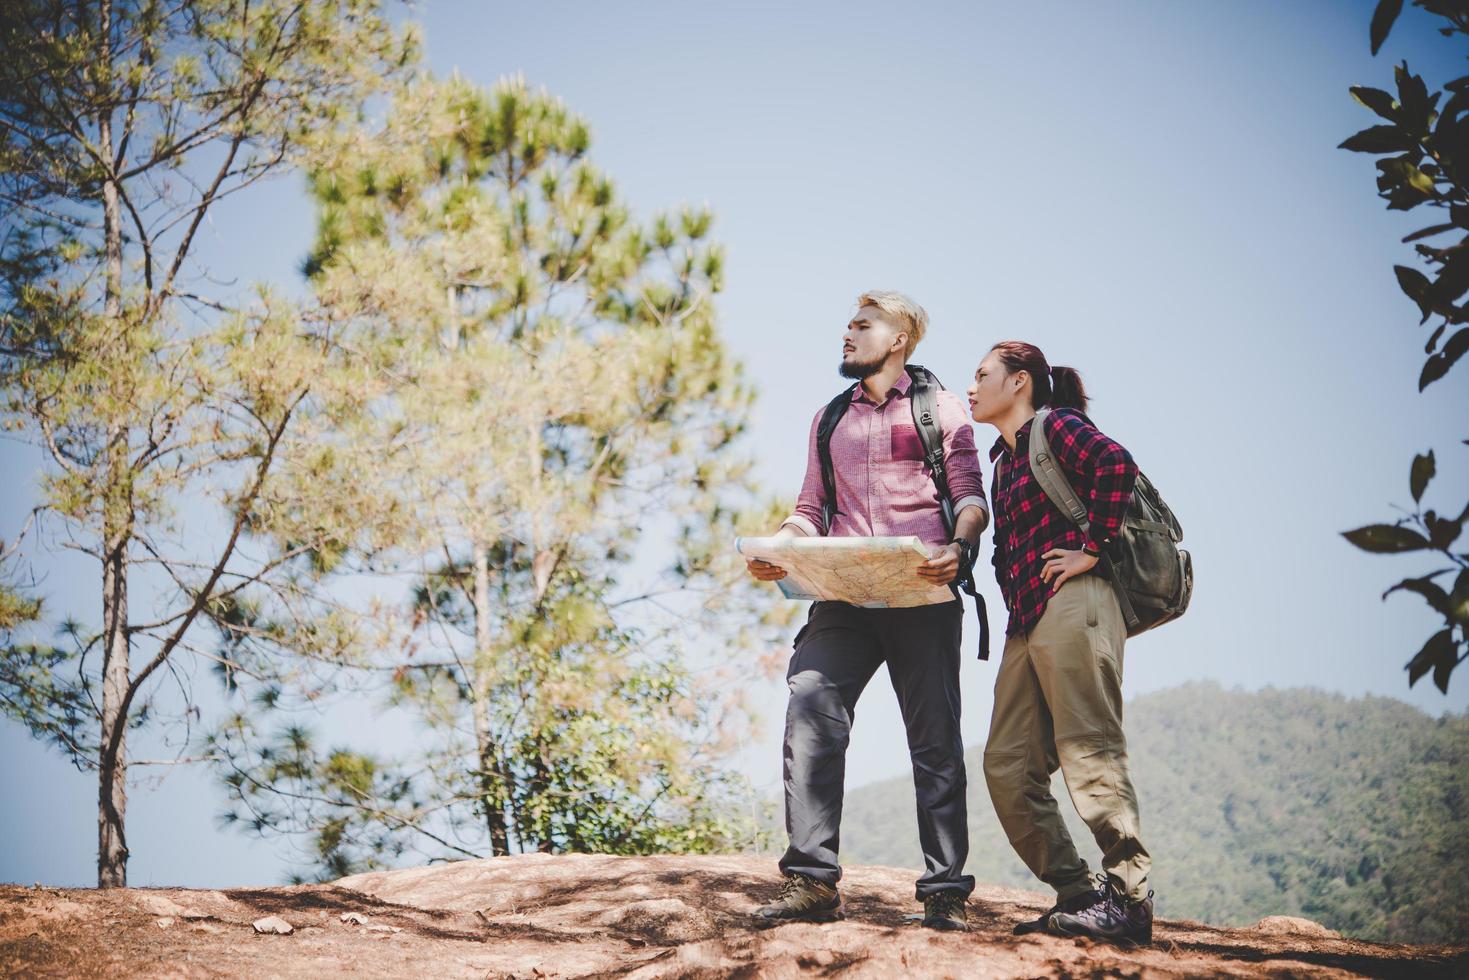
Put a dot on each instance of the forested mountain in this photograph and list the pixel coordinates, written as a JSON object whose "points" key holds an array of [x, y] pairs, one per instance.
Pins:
{"points": [[1348, 811]]}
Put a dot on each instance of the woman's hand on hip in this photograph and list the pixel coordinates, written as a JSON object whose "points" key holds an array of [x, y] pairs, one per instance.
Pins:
{"points": [[1063, 566]]}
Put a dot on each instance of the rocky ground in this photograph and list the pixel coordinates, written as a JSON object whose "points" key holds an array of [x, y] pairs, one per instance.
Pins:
{"points": [[591, 916]]}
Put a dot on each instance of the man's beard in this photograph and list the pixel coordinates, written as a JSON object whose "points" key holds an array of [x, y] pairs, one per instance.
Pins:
{"points": [[859, 370]]}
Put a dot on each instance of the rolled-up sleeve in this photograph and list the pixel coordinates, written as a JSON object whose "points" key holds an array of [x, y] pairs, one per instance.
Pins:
{"points": [[809, 517], [961, 457]]}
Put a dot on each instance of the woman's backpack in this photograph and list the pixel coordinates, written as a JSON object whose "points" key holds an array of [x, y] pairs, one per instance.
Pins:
{"points": [[1152, 576]]}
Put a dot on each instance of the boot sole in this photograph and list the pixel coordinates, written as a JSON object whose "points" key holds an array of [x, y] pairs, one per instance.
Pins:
{"points": [[1057, 929], [832, 915]]}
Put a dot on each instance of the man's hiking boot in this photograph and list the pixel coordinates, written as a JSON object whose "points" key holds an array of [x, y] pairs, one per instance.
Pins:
{"points": [[1073, 904], [1115, 918], [801, 899], [946, 911]]}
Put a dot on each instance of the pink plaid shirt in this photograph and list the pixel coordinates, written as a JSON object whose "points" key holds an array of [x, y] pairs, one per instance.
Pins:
{"points": [[883, 486]]}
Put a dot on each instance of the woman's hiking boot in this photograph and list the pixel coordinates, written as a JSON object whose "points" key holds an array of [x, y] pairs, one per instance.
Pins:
{"points": [[1116, 918], [1075, 903], [946, 911], [801, 899]]}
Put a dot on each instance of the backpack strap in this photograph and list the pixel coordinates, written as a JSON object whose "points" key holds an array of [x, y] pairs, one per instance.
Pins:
{"points": [[833, 413], [1047, 472], [924, 402]]}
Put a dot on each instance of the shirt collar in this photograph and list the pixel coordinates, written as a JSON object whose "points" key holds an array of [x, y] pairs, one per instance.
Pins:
{"points": [[901, 386], [1022, 442]]}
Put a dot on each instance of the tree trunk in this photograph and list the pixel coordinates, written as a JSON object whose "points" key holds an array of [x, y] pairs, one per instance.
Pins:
{"points": [[112, 850], [493, 785], [111, 207]]}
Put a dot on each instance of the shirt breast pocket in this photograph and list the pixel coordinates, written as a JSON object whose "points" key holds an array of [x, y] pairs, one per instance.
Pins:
{"points": [[906, 474], [905, 443]]}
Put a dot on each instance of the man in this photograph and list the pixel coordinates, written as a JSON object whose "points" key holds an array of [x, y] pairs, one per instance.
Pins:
{"points": [[882, 488]]}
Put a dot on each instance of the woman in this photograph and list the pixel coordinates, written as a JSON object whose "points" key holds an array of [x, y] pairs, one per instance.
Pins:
{"points": [[1058, 693]]}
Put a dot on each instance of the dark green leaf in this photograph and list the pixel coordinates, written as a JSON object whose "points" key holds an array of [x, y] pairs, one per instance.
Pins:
{"points": [[1458, 610], [1386, 538], [1443, 669], [1430, 231], [1433, 340], [1382, 20], [1379, 139], [1439, 364], [1415, 108], [1422, 471], [1415, 178], [1439, 646], [1396, 171], [1416, 285], [1443, 531], [1375, 99], [1404, 198], [1452, 281], [1449, 117], [1424, 586]]}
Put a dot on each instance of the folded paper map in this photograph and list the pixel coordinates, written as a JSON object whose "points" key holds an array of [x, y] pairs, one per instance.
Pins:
{"points": [[877, 573]]}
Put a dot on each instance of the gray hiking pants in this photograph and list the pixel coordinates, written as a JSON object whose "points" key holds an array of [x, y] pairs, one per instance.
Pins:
{"points": [[837, 652]]}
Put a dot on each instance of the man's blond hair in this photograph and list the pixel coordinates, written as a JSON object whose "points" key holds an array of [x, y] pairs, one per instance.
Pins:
{"points": [[905, 314]]}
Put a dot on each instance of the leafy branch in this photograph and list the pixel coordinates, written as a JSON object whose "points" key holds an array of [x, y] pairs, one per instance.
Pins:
{"points": [[1430, 154], [1424, 149]]}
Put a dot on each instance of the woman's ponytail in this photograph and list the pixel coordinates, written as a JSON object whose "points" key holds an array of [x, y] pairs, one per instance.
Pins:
{"points": [[1067, 391]]}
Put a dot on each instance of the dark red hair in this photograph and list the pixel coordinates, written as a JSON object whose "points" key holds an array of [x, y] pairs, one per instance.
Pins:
{"points": [[1051, 387]]}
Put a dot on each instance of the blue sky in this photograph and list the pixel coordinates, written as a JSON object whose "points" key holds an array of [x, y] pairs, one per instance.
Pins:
{"points": [[1148, 190]]}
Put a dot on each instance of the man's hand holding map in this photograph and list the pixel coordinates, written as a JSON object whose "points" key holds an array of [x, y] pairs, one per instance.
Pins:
{"points": [[879, 573]]}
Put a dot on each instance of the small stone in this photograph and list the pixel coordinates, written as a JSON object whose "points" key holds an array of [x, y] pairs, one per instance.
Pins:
{"points": [[383, 928], [206, 927], [164, 922], [354, 918], [1291, 925], [273, 924], [159, 905]]}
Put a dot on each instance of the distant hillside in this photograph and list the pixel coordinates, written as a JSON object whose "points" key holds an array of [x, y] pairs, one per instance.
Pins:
{"points": [[1351, 812]]}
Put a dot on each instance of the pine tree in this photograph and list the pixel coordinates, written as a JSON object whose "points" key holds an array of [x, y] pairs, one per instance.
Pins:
{"points": [[123, 124], [553, 404]]}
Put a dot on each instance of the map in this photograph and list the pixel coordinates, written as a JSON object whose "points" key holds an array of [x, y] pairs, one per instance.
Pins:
{"points": [[876, 573]]}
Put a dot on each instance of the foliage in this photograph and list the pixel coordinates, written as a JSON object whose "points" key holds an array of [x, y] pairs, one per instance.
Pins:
{"points": [[1428, 165], [549, 408], [122, 126], [1348, 811]]}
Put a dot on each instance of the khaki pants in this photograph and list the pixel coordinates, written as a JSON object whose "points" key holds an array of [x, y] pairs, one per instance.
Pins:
{"points": [[1058, 704]]}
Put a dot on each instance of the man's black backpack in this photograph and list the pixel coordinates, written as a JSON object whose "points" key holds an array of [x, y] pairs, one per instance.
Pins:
{"points": [[1152, 576], [924, 400]]}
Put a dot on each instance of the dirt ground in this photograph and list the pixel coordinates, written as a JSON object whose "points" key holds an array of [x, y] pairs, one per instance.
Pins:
{"points": [[539, 916]]}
